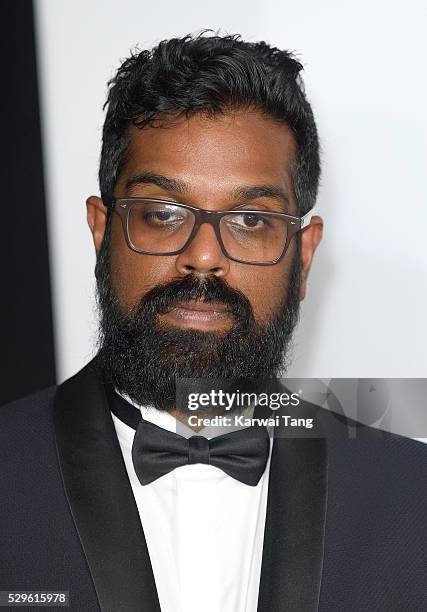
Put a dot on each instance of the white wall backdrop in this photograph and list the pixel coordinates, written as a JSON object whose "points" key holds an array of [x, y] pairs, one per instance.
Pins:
{"points": [[364, 315]]}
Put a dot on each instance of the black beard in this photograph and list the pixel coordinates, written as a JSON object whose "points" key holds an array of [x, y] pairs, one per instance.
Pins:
{"points": [[144, 359]]}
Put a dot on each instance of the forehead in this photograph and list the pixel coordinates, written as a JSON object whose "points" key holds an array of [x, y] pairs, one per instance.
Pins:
{"points": [[214, 155]]}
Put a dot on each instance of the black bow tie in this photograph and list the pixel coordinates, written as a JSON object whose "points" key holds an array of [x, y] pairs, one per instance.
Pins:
{"points": [[241, 454]]}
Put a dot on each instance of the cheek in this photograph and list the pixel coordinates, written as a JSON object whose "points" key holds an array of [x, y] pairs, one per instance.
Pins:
{"points": [[273, 284], [266, 288], [133, 274]]}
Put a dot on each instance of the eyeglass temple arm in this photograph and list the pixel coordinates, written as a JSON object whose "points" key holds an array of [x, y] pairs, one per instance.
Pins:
{"points": [[306, 219]]}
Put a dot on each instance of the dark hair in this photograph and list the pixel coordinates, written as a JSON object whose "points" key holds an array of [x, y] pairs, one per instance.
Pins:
{"points": [[210, 74]]}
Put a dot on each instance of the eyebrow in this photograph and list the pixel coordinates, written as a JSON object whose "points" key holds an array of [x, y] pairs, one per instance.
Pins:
{"points": [[262, 191], [245, 192], [149, 178]]}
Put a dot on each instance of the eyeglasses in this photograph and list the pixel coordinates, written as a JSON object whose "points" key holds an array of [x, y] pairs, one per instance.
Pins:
{"points": [[161, 227]]}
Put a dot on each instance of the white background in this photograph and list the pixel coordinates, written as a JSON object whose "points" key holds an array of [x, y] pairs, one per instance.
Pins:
{"points": [[364, 315]]}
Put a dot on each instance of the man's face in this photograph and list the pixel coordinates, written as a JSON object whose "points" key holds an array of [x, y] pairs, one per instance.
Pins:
{"points": [[207, 163]]}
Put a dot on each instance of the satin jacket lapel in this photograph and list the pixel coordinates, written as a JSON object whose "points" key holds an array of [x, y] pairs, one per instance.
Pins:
{"points": [[100, 496], [294, 530]]}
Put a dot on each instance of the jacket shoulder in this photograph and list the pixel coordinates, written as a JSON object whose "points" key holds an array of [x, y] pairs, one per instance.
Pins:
{"points": [[28, 406], [30, 419]]}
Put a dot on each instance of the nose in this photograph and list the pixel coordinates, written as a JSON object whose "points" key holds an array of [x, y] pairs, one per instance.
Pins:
{"points": [[203, 255]]}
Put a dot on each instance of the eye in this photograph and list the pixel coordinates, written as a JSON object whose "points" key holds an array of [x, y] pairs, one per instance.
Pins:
{"points": [[251, 219], [162, 216], [248, 220], [158, 215]]}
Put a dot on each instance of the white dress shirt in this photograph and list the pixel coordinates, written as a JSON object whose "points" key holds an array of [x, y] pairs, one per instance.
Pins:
{"points": [[204, 530]]}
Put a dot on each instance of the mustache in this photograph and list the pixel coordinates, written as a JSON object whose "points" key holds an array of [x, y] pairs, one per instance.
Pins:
{"points": [[163, 297]]}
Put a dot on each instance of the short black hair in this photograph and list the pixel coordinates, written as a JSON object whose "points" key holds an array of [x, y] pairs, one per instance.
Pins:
{"points": [[210, 74]]}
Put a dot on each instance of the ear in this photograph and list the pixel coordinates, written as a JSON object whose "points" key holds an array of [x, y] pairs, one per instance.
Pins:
{"points": [[97, 219], [310, 238]]}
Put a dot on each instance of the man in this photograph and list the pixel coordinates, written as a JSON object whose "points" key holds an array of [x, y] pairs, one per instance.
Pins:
{"points": [[205, 236]]}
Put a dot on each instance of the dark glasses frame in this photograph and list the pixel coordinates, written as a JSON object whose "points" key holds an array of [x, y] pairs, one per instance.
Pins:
{"points": [[123, 206]]}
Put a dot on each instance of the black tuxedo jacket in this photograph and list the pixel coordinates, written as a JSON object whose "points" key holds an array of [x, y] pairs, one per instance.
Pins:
{"points": [[345, 528]]}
